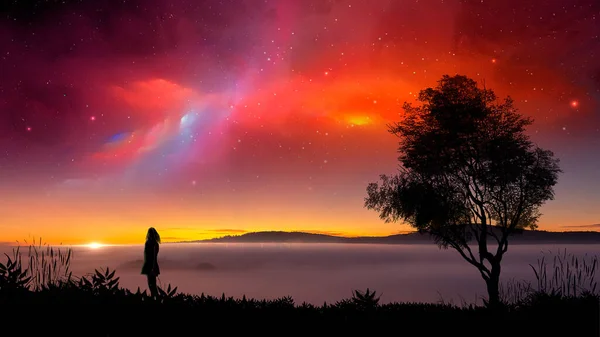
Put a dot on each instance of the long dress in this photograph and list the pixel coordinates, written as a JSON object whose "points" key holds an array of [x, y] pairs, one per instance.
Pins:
{"points": [[150, 266]]}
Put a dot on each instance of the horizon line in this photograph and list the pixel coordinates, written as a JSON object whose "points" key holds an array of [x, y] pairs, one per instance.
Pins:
{"points": [[239, 233]]}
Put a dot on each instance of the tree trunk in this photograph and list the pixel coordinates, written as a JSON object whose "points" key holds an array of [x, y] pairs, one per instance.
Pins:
{"points": [[493, 286]]}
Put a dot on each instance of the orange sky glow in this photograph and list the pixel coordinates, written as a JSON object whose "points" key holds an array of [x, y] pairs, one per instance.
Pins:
{"points": [[272, 124]]}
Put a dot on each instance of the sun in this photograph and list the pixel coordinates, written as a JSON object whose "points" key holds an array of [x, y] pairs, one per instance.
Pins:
{"points": [[94, 245]]}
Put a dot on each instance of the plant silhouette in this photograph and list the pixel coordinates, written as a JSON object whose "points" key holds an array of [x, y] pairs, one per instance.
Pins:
{"points": [[12, 275], [468, 173], [101, 282], [366, 300], [97, 300]]}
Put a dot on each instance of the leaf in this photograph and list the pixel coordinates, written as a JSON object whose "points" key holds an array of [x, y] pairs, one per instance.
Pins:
{"points": [[173, 292], [86, 281]]}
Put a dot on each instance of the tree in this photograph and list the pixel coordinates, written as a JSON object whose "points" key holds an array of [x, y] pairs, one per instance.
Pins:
{"points": [[468, 175]]}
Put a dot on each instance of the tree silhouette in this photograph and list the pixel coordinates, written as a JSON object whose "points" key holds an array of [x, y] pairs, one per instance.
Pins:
{"points": [[468, 172]]}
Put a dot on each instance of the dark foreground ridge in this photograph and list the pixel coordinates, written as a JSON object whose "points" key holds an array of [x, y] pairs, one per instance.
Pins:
{"points": [[101, 308], [40, 296], [524, 237]]}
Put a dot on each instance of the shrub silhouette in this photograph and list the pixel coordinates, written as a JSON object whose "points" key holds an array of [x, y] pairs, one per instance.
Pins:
{"points": [[366, 299], [12, 276], [168, 292], [100, 282]]}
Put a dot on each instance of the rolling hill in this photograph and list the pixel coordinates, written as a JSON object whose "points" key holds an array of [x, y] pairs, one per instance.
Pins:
{"points": [[526, 237]]}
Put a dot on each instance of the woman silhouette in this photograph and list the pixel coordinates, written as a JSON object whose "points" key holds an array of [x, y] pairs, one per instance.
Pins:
{"points": [[150, 267]]}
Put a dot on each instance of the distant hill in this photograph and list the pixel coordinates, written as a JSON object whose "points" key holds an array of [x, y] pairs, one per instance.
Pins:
{"points": [[525, 237]]}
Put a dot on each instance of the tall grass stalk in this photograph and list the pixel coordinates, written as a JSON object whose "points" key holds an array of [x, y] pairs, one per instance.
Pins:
{"points": [[568, 276], [515, 291], [47, 265]]}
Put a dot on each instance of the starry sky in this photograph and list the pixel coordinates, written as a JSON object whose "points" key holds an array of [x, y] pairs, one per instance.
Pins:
{"points": [[205, 118]]}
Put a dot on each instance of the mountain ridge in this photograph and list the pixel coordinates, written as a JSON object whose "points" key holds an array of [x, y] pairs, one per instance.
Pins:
{"points": [[525, 237]]}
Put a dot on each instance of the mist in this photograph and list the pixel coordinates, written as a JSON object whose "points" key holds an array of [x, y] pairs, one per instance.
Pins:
{"points": [[316, 273]]}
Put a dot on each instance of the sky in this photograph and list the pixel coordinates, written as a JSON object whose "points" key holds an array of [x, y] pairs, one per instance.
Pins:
{"points": [[208, 118]]}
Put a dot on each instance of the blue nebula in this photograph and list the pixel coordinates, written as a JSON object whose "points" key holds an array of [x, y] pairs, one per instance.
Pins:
{"points": [[118, 137]]}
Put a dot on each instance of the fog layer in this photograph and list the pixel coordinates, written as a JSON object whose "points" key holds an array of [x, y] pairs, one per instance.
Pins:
{"points": [[316, 272]]}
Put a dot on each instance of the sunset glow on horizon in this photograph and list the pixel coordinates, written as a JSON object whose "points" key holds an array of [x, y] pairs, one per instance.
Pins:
{"points": [[94, 245], [204, 119]]}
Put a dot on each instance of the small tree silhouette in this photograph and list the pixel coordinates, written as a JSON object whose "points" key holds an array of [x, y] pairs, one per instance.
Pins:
{"points": [[468, 172]]}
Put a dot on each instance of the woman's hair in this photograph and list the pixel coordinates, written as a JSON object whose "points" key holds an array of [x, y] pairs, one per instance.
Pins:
{"points": [[153, 235]]}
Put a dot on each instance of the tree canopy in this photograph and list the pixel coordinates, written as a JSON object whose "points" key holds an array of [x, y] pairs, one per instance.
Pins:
{"points": [[468, 172]]}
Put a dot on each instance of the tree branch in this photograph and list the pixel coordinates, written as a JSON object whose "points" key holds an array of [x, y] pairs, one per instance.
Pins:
{"points": [[483, 270]]}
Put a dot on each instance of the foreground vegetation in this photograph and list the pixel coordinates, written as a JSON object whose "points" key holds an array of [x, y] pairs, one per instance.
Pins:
{"points": [[39, 295]]}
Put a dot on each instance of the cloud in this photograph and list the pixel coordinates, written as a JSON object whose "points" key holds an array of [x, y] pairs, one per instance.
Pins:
{"points": [[332, 233], [404, 231], [227, 231], [597, 225], [173, 238], [156, 96]]}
